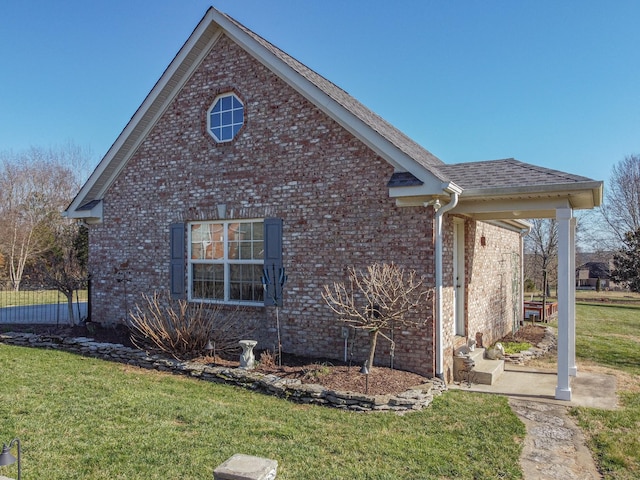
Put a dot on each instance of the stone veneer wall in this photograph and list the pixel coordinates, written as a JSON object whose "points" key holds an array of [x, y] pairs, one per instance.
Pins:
{"points": [[416, 398], [289, 161]]}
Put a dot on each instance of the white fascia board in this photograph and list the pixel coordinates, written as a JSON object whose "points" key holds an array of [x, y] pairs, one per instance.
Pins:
{"points": [[384, 148], [424, 193], [213, 19], [151, 99], [594, 189], [128, 132], [92, 216], [431, 186], [510, 205]]}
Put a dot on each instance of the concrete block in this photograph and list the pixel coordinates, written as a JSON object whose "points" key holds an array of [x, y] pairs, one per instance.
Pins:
{"points": [[246, 467]]}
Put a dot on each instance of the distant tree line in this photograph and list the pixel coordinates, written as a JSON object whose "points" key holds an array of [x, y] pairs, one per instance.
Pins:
{"points": [[611, 232], [37, 244]]}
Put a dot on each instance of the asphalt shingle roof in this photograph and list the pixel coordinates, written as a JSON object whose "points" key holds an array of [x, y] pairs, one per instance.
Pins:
{"points": [[505, 173], [373, 120]]}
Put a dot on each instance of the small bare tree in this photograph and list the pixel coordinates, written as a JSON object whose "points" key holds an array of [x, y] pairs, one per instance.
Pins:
{"points": [[380, 298], [542, 242], [64, 265], [182, 329]]}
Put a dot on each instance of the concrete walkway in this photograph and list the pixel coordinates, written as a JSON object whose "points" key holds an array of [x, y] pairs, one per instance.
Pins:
{"points": [[554, 446]]}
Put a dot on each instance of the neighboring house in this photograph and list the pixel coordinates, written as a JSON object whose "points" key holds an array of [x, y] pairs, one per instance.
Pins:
{"points": [[239, 145], [588, 275]]}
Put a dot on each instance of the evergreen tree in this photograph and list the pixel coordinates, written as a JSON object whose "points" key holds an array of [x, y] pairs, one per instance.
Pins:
{"points": [[626, 262]]}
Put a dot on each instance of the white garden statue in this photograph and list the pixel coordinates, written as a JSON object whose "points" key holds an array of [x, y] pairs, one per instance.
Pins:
{"points": [[247, 359], [496, 352]]}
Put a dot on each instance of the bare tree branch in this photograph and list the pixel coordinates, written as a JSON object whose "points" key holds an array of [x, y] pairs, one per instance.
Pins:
{"points": [[382, 297]]}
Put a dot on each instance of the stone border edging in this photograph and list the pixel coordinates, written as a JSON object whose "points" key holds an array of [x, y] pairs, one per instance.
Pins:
{"points": [[549, 342], [416, 398]]}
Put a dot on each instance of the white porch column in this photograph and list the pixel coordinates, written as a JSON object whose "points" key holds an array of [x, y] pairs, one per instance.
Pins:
{"points": [[565, 282], [573, 369]]}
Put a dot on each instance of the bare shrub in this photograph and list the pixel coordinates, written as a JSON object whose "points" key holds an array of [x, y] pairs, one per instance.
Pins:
{"points": [[381, 298], [267, 359], [182, 329]]}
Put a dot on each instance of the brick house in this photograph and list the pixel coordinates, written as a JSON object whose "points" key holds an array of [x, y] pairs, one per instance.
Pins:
{"points": [[239, 144], [590, 274]]}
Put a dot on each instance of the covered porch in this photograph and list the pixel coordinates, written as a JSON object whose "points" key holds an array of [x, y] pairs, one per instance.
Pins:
{"points": [[512, 191]]}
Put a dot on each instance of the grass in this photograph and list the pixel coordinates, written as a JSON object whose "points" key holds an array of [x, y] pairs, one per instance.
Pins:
{"points": [[84, 418], [11, 298], [515, 347], [81, 418], [609, 336], [592, 296]]}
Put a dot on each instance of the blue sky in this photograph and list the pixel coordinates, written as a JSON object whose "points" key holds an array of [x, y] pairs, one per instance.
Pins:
{"points": [[553, 83]]}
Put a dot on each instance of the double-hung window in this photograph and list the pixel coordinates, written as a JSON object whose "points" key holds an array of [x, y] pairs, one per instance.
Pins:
{"points": [[226, 259]]}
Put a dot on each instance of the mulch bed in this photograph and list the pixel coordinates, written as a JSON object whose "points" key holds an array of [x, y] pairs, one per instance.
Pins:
{"points": [[331, 374]]}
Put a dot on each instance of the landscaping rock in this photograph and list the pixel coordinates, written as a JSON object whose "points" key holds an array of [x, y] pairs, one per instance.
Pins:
{"points": [[416, 398]]}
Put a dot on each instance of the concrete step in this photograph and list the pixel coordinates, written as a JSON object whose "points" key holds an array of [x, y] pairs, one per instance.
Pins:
{"points": [[485, 371]]}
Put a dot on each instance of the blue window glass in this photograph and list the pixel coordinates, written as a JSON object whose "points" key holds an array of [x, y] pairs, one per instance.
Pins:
{"points": [[216, 120], [227, 133], [226, 117]]}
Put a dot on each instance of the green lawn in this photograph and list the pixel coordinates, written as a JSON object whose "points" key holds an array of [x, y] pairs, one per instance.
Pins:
{"points": [[10, 298], [82, 418], [609, 335]]}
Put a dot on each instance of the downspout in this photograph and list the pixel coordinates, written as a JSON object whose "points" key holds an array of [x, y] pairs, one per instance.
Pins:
{"points": [[523, 233], [454, 192]]}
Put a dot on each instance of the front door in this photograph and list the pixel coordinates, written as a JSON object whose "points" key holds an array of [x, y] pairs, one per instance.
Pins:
{"points": [[458, 277]]}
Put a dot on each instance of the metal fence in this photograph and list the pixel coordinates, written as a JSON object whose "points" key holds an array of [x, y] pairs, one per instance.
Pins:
{"points": [[47, 307]]}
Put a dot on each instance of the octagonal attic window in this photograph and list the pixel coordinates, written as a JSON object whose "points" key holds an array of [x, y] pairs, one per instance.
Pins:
{"points": [[226, 117]]}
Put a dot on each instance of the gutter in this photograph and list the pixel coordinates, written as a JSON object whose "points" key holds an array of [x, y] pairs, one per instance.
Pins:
{"points": [[454, 191]]}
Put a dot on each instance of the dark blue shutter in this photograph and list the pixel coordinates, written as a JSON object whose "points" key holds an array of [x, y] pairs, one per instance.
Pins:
{"points": [[273, 260], [177, 260]]}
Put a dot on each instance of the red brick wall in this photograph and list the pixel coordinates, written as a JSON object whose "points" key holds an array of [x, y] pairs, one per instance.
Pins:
{"points": [[289, 161], [492, 269], [492, 301]]}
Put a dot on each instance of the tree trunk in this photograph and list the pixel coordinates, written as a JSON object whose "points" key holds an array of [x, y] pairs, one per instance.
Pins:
{"points": [[544, 296], [373, 339], [72, 320]]}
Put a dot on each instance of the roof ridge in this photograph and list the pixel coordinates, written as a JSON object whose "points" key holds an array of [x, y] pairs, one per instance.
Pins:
{"points": [[375, 121]]}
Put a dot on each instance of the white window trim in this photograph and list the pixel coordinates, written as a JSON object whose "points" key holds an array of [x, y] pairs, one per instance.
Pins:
{"points": [[215, 101], [224, 261]]}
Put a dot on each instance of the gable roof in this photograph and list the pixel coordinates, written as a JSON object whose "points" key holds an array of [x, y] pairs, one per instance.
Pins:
{"points": [[386, 140], [420, 175], [375, 122]]}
